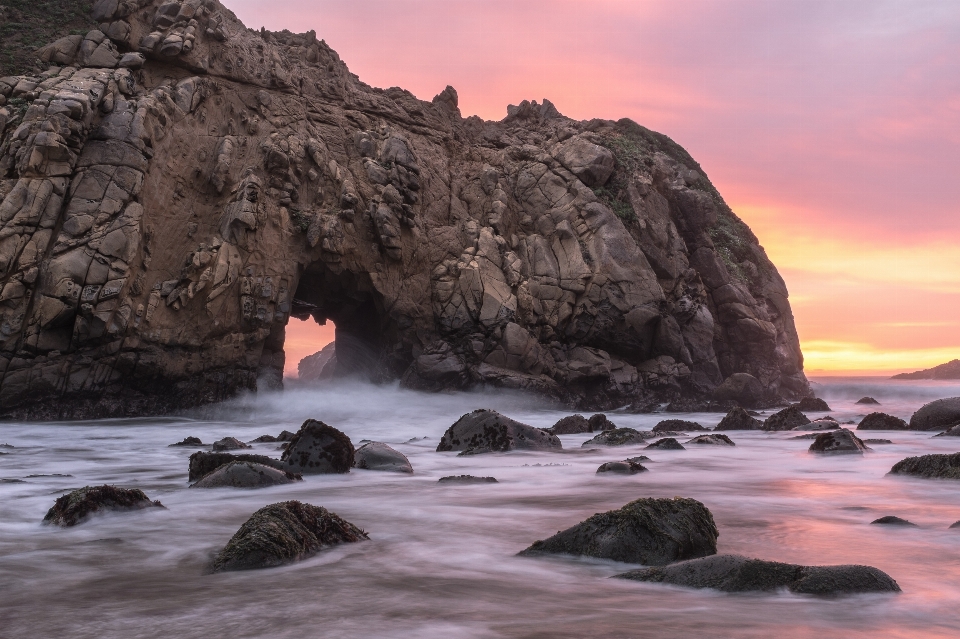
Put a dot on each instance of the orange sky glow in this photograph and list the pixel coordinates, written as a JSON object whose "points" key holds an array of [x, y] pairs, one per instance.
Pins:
{"points": [[831, 128]]}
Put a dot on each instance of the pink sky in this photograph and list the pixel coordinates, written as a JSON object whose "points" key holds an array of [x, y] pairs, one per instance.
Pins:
{"points": [[831, 128]]}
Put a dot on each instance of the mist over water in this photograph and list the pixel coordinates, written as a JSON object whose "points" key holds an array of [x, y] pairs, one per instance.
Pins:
{"points": [[442, 560]]}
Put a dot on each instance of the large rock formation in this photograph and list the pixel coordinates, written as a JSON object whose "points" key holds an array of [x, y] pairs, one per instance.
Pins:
{"points": [[176, 186]]}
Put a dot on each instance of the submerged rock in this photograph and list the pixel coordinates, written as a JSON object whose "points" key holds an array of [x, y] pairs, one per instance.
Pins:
{"points": [[812, 404], [630, 466], [264, 439], [819, 424], [677, 426], [646, 531], [735, 573], [890, 520], [874, 442], [319, 449], [882, 421], [938, 415], [76, 507], [189, 441], [929, 466], [571, 425], [284, 533], [487, 431], [714, 439], [379, 456], [202, 464], [599, 422], [841, 441], [616, 437], [867, 400], [667, 443], [739, 419], [787, 419], [467, 479], [245, 474], [229, 443]]}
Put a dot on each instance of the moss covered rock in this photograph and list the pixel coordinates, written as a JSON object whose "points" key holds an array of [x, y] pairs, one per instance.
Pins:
{"points": [[318, 448], [929, 466], [76, 507], [282, 534], [646, 531]]}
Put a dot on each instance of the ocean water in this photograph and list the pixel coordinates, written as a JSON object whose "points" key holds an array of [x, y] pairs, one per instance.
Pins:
{"points": [[441, 561]]}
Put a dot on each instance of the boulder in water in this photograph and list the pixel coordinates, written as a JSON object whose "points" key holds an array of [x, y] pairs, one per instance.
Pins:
{"points": [[882, 421], [874, 442], [77, 506], [202, 464], [630, 466], [646, 531], [739, 419], [735, 573], [812, 404], [713, 439], [890, 520], [787, 419], [617, 437], [743, 388], [667, 443], [938, 415], [189, 441], [229, 443], [319, 449], [823, 423], [599, 422], [837, 442], [246, 474], [571, 425], [955, 524], [867, 400], [487, 431], [677, 426], [929, 466], [379, 456], [467, 479], [284, 533], [953, 431]]}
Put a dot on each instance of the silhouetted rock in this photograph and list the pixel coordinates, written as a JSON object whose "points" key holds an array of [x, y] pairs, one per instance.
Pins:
{"points": [[953, 431], [264, 439], [950, 370], [318, 449], [955, 524], [229, 443], [77, 506], [735, 573], [616, 437], [319, 366], [599, 422], [812, 404], [787, 419], [245, 474], [739, 419], [677, 426], [882, 421], [667, 443], [890, 520], [467, 479], [938, 415], [624, 467], [874, 442], [202, 463], [284, 533], [571, 425], [841, 441], [929, 466], [379, 456], [487, 431], [867, 400], [713, 439], [743, 388], [189, 441], [646, 531]]}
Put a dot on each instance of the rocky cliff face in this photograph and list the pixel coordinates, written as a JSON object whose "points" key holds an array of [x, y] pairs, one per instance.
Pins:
{"points": [[176, 186]]}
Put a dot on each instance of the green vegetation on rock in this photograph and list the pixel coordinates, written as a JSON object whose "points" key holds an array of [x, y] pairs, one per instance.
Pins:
{"points": [[27, 25]]}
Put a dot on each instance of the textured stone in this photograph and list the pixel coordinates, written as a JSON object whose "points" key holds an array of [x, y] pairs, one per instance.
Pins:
{"points": [[676, 425], [379, 456], [867, 400], [630, 466], [882, 421], [189, 441], [487, 431], [929, 466], [786, 419], [571, 425], [739, 419], [937, 415], [229, 443], [318, 448], [837, 442], [713, 439], [812, 404], [667, 443], [617, 437], [244, 474], [202, 464], [78, 506]]}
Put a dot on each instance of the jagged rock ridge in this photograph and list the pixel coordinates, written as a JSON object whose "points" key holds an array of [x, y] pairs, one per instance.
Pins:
{"points": [[176, 186]]}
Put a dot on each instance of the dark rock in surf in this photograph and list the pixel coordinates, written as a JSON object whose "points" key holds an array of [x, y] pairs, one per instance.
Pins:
{"points": [[189, 441], [929, 466], [713, 439], [202, 463], [286, 436], [599, 422], [229, 443], [487, 431], [743, 388], [467, 479], [787, 419], [812, 404], [617, 437], [938, 415], [677, 426], [955, 524], [284, 533], [379, 456], [735, 573], [875, 442], [667, 443], [823, 423], [838, 442], [76, 507], [264, 439], [867, 400], [882, 421], [647, 531], [571, 425], [890, 520], [630, 466], [953, 431], [739, 419], [246, 474], [319, 449]]}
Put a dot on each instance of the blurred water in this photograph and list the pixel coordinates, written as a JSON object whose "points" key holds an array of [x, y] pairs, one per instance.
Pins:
{"points": [[441, 561]]}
